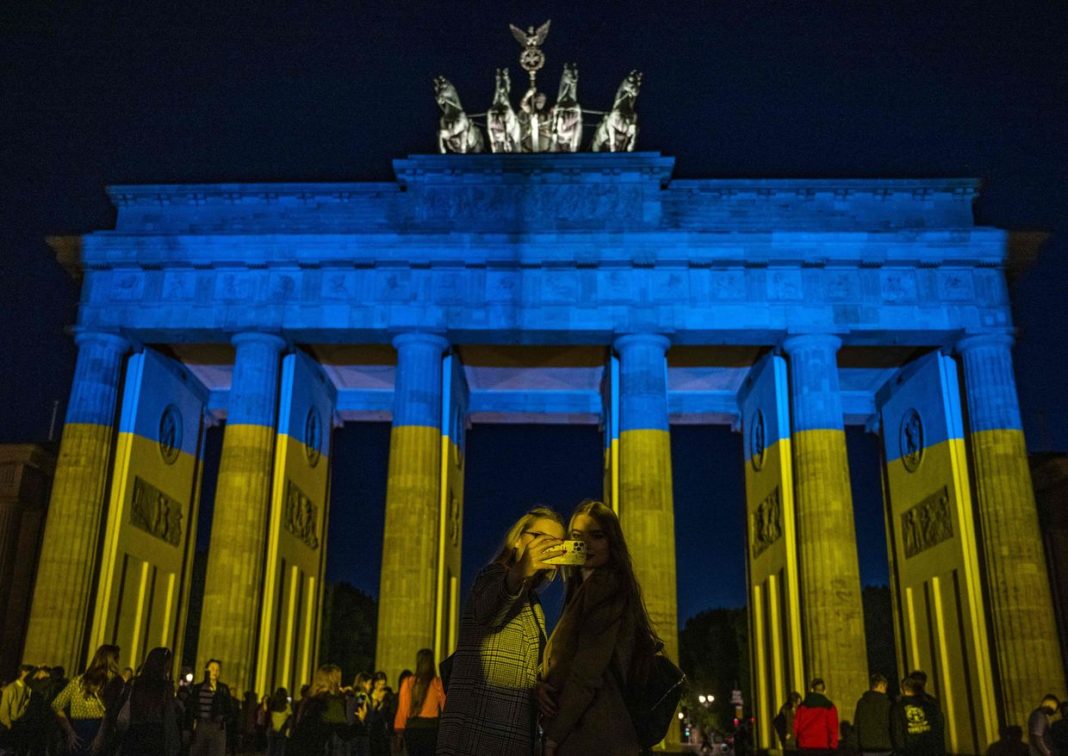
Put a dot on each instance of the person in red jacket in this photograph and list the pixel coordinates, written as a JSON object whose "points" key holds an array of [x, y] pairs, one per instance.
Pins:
{"points": [[816, 721]]}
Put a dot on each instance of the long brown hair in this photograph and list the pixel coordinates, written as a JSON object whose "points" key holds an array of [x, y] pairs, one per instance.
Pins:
{"points": [[101, 670], [152, 689], [425, 673], [646, 639]]}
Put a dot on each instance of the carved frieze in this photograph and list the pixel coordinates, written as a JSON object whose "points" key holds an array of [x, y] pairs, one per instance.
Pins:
{"points": [[300, 516], [927, 524], [156, 513], [766, 526], [541, 206]]}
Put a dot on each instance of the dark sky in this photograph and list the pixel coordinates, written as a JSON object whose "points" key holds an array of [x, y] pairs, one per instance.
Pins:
{"points": [[126, 92]]}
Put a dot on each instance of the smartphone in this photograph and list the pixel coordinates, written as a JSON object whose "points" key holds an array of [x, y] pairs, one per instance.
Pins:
{"points": [[571, 553]]}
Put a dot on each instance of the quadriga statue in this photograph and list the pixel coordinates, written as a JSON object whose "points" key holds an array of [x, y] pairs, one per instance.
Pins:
{"points": [[566, 120], [502, 124], [618, 131], [456, 132]]}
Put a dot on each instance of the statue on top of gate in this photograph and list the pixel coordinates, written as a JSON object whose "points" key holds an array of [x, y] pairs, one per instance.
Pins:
{"points": [[536, 128]]}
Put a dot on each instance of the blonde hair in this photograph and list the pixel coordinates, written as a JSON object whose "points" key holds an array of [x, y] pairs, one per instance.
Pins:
{"points": [[506, 555], [327, 681]]}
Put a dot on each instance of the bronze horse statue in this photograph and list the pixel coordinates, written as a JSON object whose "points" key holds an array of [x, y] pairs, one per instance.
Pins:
{"points": [[502, 124], [456, 132], [618, 131], [565, 124]]}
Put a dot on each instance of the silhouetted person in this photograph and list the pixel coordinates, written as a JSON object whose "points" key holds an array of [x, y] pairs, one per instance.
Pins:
{"points": [[1010, 744], [1039, 737], [871, 720], [816, 721], [916, 726], [152, 726], [921, 679], [784, 722]]}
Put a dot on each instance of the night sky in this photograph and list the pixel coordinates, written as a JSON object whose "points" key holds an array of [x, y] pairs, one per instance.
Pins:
{"points": [[101, 93]]}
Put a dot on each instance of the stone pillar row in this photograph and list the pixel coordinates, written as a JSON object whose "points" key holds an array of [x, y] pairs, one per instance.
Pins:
{"points": [[1025, 637]]}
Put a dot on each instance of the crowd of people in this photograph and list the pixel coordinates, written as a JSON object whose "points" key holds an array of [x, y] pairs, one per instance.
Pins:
{"points": [[512, 688], [509, 689], [106, 711], [912, 724]]}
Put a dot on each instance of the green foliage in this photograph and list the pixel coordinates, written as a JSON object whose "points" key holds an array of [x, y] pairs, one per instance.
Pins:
{"points": [[350, 621], [714, 654]]}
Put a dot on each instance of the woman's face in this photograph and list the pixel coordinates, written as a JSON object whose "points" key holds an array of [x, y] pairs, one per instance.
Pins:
{"points": [[586, 529], [541, 526]]}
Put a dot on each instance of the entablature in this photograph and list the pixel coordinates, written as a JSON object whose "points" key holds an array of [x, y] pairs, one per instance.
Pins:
{"points": [[557, 192]]}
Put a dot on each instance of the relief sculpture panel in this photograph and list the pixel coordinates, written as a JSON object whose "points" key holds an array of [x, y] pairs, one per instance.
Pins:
{"points": [[767, 523], [301, 516], [927, 524], [156, 513]]}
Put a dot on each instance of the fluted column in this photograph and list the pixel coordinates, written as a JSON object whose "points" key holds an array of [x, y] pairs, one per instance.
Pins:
{"points": [[406, 600], [234, 582], [832, 616], [1027, 653], [646, 506], [63, 591]]}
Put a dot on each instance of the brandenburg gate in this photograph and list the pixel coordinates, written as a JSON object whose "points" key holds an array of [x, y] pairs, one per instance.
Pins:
{"points": [[575, 287]]}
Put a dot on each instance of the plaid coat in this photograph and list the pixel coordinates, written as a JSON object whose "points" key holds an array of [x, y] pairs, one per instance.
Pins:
{"points": [[490, 707]]}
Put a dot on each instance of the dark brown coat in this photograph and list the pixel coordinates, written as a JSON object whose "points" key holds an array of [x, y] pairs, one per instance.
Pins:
{"points": [[587, 657]]}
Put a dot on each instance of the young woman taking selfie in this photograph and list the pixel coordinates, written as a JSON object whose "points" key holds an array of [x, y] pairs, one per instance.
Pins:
{"points": [[491, 706], [604, 626]]}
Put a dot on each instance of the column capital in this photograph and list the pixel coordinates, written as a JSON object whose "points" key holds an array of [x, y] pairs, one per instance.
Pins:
{"points": [[979, 340], [802, 341], [259, 337], [653, 340], [115, 341], [415, 338]]}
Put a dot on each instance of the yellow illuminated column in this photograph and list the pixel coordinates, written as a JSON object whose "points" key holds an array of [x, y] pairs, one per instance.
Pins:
{"points": [[1027, 654], [60, 612], [229, 620], [646, 506], [407, 599], [832, 616]]}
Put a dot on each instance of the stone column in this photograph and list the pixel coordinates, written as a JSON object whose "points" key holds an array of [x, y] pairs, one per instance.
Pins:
{"points": [[832, 616], [64, 587], [1027, 654], [230, 619], [646, 506], [406, 600]]}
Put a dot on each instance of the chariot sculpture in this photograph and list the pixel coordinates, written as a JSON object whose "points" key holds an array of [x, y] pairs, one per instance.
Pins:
{"points": [[536, 128]]}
